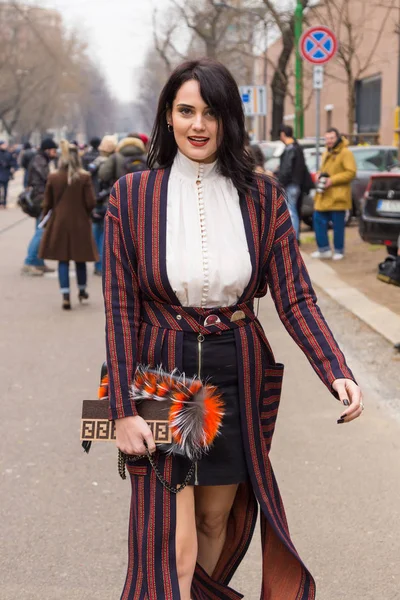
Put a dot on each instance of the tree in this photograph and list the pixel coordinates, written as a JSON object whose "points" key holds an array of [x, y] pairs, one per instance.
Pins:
{"points": [[97, 105], [152, 79], [47, 80], [354, 21], [284, 20], [214, 29]]}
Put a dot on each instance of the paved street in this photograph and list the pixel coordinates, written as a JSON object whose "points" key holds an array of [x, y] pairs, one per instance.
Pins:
{"points": [[64, 514]]}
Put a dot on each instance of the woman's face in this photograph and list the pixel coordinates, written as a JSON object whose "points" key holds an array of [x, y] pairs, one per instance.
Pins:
{"points": [[195, 125]]}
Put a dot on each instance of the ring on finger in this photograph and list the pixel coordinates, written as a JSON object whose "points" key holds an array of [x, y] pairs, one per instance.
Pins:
{"points": [[362, 405]]}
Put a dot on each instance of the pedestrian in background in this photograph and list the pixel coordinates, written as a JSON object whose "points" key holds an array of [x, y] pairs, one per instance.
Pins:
{"points": [[145, 139], [68, 234], [102, 191], [7, 168], [333, 196], [92, 153], [187, 249], [24, 160], [291, 174], [129, 157], [38, 173], [256, 153]]}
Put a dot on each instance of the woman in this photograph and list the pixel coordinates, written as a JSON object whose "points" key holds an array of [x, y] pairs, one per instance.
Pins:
{"points": [[106, 148], [69, 200], [188, 247]]}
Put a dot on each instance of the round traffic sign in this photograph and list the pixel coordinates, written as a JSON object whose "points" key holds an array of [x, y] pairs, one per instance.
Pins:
{"points": [[318, 45]]}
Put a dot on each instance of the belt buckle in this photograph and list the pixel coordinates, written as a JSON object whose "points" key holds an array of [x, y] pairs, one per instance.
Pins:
{"points": [[211, 320], [238, 315]]}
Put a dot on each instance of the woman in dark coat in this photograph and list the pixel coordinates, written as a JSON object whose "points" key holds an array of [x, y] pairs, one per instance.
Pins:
{"points": [[68, 202], [188, 247]]}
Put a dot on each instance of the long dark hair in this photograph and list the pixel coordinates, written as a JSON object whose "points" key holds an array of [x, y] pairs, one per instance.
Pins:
{"points": [[220, 92]]}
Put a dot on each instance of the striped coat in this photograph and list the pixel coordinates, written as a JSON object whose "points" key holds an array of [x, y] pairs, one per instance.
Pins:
{"points": [[146, 323]]}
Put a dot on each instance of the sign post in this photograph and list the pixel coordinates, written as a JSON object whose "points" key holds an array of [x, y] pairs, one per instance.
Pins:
{"points": [[318, 84], [254, 98], [318, 45]]}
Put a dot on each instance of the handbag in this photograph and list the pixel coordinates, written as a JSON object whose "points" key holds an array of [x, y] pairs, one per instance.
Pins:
{"points": [[184, 415], [27, 205]]}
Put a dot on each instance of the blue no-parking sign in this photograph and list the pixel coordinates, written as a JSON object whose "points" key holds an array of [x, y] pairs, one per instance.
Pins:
{"points": [[318, 45]]}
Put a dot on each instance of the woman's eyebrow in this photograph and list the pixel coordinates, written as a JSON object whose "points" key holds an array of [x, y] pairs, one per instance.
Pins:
{"points": [[190, 106]]}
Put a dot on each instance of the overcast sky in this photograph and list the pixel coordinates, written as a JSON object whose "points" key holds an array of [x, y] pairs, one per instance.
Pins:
{"points": [[119, 33]]}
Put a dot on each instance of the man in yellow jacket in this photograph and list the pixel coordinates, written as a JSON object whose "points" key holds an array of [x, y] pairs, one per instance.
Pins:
{"points": [[333, 195]]}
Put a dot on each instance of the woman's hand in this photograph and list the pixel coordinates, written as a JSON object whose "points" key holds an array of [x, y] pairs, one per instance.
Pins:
{"points": [[351, 396], [132, 434]]}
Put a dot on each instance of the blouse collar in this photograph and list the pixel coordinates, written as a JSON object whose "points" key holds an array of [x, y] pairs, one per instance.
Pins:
{"points": [[192, 169]]}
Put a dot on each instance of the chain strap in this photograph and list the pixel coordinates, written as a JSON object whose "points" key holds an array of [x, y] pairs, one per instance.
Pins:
{"points": [[124, 458]]}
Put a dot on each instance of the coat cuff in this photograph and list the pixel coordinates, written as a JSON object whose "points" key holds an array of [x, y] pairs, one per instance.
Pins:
{"points": [[341, 375], [127, 410]]}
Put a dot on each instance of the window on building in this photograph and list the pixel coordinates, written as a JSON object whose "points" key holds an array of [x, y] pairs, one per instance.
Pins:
{"points": [[368, 104]]}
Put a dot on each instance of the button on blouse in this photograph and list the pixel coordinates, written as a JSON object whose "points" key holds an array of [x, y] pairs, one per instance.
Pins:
{"points": [[208, 260]]}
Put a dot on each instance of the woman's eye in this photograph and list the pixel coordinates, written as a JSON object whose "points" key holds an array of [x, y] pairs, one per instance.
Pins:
{"points": [[185, 111], [211, 113]]}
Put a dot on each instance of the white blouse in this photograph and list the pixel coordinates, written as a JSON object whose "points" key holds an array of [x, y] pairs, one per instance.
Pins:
{"points": [[208, 260]]}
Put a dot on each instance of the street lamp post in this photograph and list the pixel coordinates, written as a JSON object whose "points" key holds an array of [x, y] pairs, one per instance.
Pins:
{"points": [[299, 113]]}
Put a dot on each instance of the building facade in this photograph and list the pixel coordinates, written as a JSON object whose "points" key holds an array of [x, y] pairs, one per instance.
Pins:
{"points": [[360, 93]]}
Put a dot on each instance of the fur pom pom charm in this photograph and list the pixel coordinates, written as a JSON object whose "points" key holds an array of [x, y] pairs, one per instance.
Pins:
{"points": [[196, 410], [195, 417]]}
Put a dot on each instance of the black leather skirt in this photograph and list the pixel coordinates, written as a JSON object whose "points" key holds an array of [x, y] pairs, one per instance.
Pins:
{"points": [[225, 463]]}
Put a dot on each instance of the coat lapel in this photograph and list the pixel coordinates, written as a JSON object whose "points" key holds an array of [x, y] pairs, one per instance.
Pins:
{"points": [[252, 229], [153, 204], [154, 199]]}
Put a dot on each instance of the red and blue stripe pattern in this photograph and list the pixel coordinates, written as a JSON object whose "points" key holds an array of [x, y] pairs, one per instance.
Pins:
{"points": [[146, 323]]}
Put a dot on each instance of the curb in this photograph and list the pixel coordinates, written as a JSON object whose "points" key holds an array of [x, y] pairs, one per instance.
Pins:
{"points": [[378, 317]]}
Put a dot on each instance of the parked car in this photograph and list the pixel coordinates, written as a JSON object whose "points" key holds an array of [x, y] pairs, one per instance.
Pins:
{"points": [[271, 149], [369, 160], [380, 210]]}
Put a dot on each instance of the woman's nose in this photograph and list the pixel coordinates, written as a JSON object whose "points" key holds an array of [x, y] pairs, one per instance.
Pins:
{"points": [[198, 122]]}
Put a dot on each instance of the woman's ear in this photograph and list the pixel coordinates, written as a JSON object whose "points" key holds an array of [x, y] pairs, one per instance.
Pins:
{"points": [[169, 115]]}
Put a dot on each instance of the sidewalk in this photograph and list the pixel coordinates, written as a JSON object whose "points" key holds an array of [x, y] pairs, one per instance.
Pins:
{"points": [[64, 514], [353, 284]]}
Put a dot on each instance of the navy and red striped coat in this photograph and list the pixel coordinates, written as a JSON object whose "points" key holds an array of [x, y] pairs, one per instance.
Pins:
{"points": [[145, 323]]}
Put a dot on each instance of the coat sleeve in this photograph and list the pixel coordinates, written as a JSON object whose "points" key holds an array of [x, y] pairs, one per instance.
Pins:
{"points": [[122, 303], [349, 169], [48, 202], [88, 192], [296, 303], [107, 170]]}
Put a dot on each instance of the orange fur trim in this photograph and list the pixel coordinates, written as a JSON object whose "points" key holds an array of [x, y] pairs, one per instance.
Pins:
{"points": [[103, 388], [214, 411]]}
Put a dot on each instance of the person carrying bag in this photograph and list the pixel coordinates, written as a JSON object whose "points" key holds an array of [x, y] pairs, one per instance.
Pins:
{"points": [[68, 233]]}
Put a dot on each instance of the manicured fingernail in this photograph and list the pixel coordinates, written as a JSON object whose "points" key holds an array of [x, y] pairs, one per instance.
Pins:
{"points": [[346, 402], [339, 421]]}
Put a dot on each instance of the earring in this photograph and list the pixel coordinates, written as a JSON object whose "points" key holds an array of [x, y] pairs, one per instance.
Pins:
{"points": [[170, 128]]}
